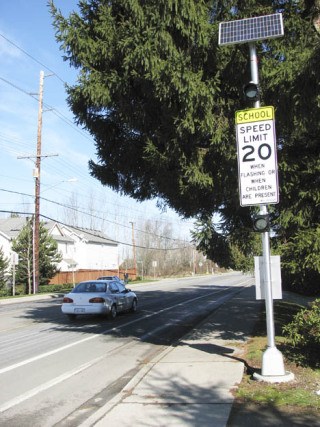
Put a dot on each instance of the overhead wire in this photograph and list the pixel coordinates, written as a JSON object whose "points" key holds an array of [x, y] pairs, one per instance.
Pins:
{"points": [[49, 108], [61, 116], [32, 57], [94, 216], [92, 233], [64, 166]]}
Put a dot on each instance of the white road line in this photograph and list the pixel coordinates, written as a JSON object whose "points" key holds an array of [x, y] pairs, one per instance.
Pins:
{"points": [[33, 392], [45, 386], [57, 350], [49, 353]]}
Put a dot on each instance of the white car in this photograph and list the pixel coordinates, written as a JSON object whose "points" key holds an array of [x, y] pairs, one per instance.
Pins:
{"points": [[106, 297], [111, 278]]}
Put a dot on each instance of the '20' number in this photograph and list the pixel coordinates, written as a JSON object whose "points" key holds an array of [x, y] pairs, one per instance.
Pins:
{"points": [[264, 152]]}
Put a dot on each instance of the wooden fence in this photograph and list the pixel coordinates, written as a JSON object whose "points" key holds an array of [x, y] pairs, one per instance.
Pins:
{"points": [[81, 275]]}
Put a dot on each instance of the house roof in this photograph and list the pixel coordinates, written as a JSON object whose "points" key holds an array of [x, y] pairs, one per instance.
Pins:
{"points": [[12, 226], [64, 239], [93, 236]]}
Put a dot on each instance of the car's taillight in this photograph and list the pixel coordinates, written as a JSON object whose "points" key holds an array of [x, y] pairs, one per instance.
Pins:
{"points": [[67, 300], [97, 300]]}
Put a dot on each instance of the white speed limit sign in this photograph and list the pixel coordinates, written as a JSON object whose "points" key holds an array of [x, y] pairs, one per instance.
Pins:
{"points": [[257, 156]]}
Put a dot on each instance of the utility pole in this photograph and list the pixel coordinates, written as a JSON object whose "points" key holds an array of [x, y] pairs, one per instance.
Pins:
{"points": [[134, 249], [36, 175], [36, 223]]}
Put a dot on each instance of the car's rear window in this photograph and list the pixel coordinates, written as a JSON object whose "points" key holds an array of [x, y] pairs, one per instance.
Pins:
{"points": [[90, 287]]}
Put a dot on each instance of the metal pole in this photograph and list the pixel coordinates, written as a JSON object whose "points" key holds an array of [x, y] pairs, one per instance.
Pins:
{"points": [[264, 210], [268, 289], [254, 68], [134, 250], [272, 360], [14, 275]]}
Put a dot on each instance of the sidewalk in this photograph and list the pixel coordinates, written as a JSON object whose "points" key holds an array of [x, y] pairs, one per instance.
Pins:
{"points": [[189, 384]]}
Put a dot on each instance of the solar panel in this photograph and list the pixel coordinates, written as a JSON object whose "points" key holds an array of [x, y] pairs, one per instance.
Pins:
{"points": [[251, 29]]}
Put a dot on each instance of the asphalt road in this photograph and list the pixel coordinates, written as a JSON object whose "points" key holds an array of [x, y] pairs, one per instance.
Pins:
{"points": [[54, 372]]}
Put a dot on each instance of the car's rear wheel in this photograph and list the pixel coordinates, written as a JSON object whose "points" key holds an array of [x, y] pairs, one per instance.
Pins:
{"points": [[113, 312], [134, 306]]}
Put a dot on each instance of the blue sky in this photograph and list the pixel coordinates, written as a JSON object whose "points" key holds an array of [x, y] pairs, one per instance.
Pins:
{"points": [[27, 46]]}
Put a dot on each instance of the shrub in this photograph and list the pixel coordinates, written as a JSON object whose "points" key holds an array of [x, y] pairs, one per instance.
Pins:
{"points": [[5, 292], [304, 331], [300, 266], [66, 287]]}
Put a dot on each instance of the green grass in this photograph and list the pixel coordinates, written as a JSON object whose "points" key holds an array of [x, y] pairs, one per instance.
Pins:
{"points": [[299, 393]]}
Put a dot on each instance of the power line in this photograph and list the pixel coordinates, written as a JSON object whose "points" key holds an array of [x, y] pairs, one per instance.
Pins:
{"points": [[49, 108], [55, 167], [91, 232], [89, 214], [19, 88], [54, 110], [67, 121], [32, 57]]}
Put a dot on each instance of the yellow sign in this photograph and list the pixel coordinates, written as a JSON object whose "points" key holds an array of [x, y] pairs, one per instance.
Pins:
{"points": [[254, 115]]}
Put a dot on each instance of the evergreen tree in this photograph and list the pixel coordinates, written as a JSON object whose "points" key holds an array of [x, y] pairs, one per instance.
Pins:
{"points": [[159, 97], [229, 251], [49, 256]]}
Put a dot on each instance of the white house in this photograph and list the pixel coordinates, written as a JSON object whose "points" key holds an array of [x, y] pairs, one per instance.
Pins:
{"points": [[81, 249]]}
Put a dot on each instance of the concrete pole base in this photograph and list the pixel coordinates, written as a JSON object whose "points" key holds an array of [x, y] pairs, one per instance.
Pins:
{"points": [[288, 376], [273, 370], [272, 362]]}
